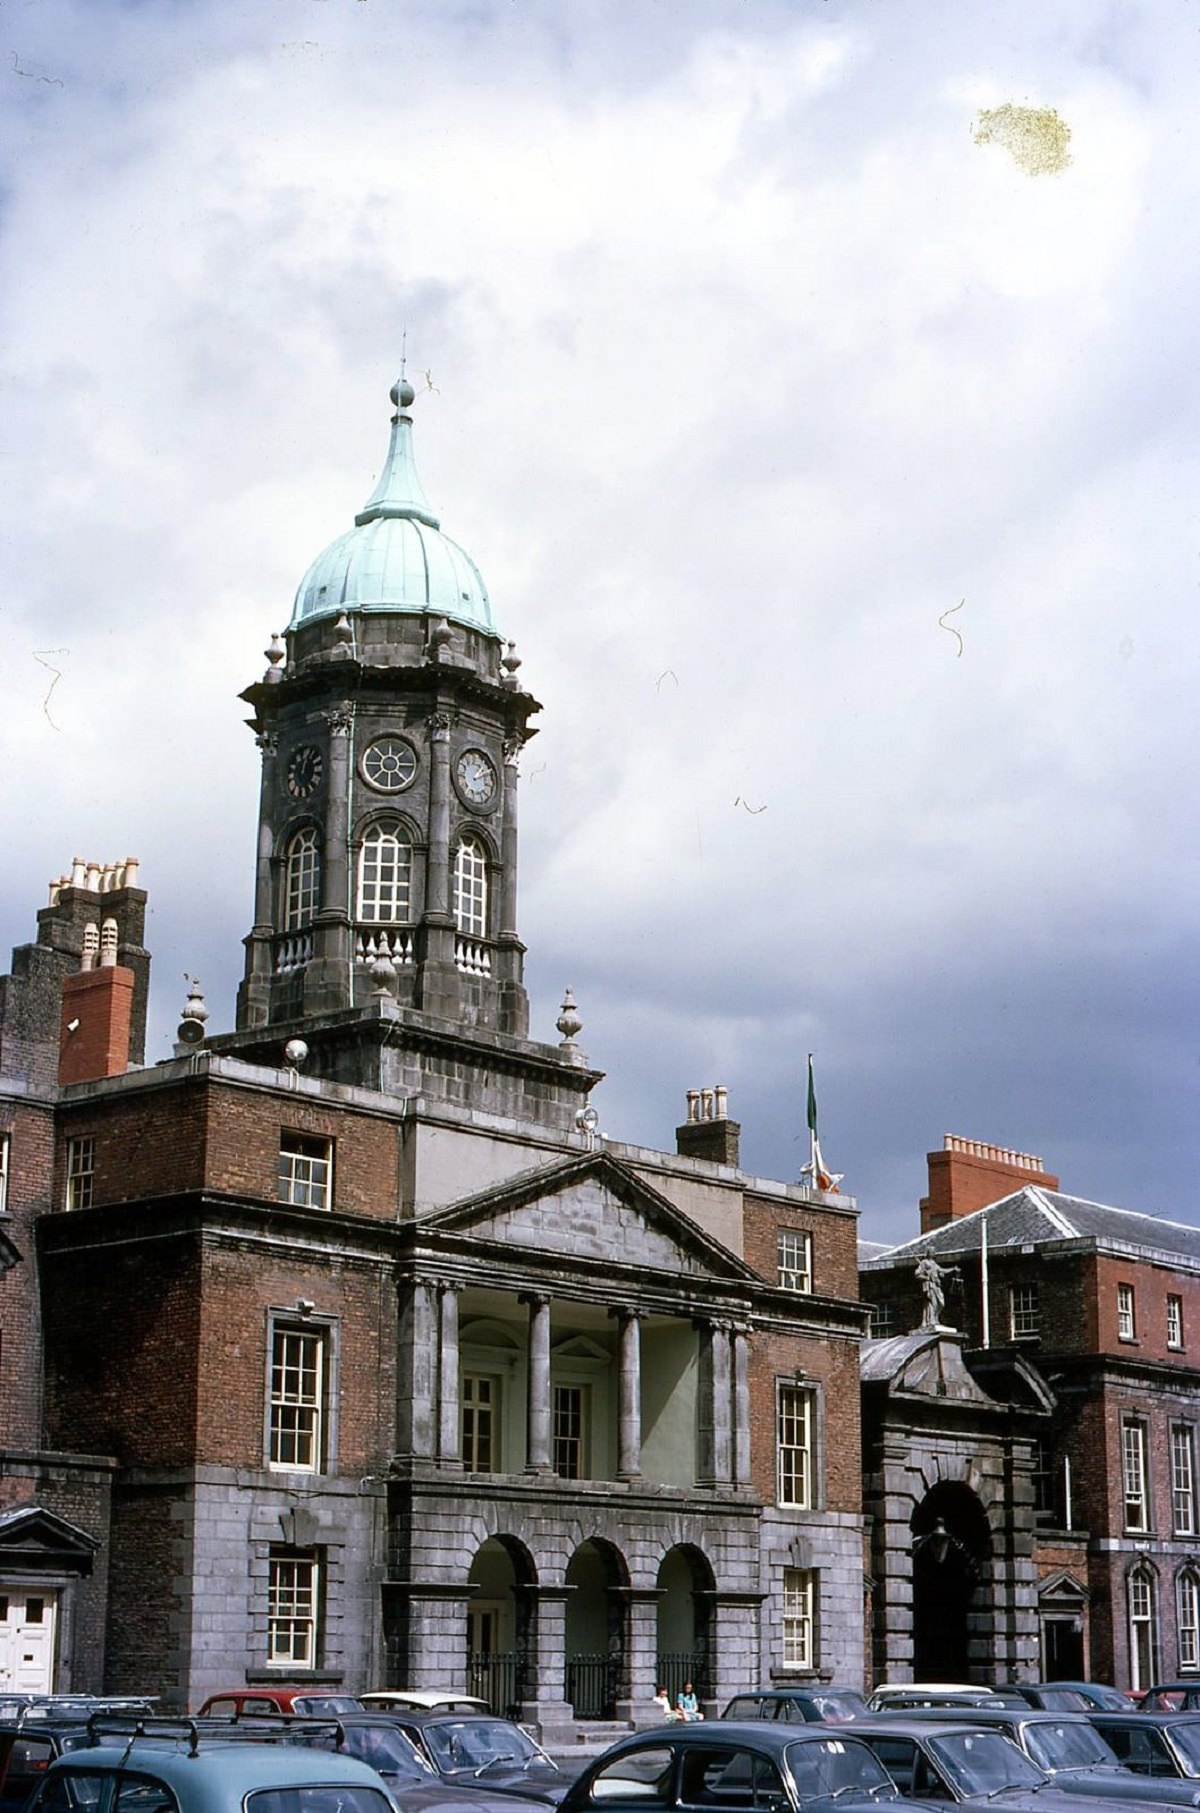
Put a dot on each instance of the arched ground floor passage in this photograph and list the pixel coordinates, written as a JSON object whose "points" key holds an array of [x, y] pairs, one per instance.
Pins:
{"points": [[602, 1633]]}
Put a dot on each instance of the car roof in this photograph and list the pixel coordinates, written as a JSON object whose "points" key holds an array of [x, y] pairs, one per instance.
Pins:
{"points": [[721, 1732], [423, 1699], [1106, 1715], [248, 1766]]}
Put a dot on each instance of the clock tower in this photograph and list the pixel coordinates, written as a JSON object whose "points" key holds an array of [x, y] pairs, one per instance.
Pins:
{"points": [[390, 724]]}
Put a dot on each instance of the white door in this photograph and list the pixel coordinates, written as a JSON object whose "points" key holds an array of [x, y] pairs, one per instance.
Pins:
{"points": [[27, 1641]]}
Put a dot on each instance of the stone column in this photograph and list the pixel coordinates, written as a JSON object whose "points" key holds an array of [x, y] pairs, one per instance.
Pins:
{"points": [[741, 1407], [713, 1466], [448, 1425], [415, 1373], [537, 1404], [546, 1705], [437, 978], [328, 977], [641, 1661], [629, 1394], [254, 1000]]}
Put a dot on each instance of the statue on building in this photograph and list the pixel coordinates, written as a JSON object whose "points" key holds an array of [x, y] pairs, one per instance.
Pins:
{"points": [[931, 1276]]}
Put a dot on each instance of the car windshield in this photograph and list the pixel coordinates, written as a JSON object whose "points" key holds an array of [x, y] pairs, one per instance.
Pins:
{"points": [[479, 1744], [1073, 1746], [980, 1762], [325, 1705], [382, 1746], [839, 1705], [1186, 1739], [828, 1765], [322, 1797]]}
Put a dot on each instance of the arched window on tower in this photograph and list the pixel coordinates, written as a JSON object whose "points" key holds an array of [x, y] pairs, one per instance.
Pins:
{"points": [[471, 888], [385, 868], [302, 880]]}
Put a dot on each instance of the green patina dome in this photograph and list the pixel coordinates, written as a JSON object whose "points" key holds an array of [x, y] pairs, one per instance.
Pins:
{"points": [[395, 558]]}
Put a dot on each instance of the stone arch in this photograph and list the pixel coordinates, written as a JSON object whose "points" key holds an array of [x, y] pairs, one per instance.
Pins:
{"points": [[951, 1557], [597, 1628], [686, 1585], [501, 1623]]}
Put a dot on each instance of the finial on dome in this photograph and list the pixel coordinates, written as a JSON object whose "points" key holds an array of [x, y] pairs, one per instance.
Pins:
{"points": [[402, 394]]}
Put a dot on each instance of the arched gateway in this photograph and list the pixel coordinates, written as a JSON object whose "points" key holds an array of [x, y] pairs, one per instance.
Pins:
{"points": [[949, 1476]]}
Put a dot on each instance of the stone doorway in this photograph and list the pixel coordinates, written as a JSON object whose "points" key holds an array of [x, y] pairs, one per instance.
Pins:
{"points": [[950, 1550]]}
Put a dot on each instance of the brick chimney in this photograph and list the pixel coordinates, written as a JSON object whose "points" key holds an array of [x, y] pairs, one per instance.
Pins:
{"points": [[708, 1131], [96, 1024], [967, 1174]]}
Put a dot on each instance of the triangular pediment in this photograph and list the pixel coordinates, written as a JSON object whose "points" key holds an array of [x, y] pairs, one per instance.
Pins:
{"points": [[926, 1363], [32, 1537], [592, 1208]]}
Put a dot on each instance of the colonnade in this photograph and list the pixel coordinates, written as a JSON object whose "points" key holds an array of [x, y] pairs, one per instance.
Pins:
{"points": [[427, 1414]]}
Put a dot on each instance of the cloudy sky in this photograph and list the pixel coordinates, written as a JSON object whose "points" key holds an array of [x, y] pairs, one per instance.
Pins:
{"points": [[815, 384]]}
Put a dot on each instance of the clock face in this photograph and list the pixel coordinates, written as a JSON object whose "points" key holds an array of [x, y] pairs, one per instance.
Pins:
{"points": [[476, 777], [389, 764], [304, 772]]}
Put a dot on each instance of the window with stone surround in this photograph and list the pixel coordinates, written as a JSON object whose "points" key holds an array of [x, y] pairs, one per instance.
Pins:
{"points": [[1183, 1479], [1187, 1620], [479, 1412], [1024, 1311], [302, 880], [385, 871], [1126, 1313], [798, 1600], [570, 1452], [297, 1420], [1134, 1475], [293, 1608], [5, 1150], [794, 1444], [81, 1173], [1174, 1321], [794, 1255], [305, 1170], [470, 888]]}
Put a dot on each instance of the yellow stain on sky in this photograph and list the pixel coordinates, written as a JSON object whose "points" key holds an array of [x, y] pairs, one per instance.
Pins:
{"points": [[1034, 137]]}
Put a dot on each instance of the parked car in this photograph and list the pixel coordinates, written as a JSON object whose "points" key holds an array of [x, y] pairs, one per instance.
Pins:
{"points": [[187, 1773], [27, 1749], [246, 1702], [377, 1738], [916, 1697], [1068, 1747], [1100, 1695], [798, 1705], [733, 1767], [478, 1747], [1171, 1696], [421, 1699], [1153, 1743], [1051, 1696], [972, 1764]]}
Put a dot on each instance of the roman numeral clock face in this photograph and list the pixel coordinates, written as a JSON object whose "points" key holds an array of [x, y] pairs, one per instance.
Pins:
{"points": [[475, 777], [304, 772]]}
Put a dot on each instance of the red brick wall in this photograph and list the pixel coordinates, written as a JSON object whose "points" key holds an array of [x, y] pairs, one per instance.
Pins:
{"points": [[239, 1288], [31, 1154], [832, 1363], [205, 1133], [98, 1003], [834, 1242], [121, 1350]]}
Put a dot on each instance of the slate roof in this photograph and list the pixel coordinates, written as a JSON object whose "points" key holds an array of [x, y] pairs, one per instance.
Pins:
{"points": [[1035, 1217]]}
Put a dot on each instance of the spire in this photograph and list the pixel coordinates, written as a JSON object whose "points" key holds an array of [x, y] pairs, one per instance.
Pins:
{"points": [[399, 492]]}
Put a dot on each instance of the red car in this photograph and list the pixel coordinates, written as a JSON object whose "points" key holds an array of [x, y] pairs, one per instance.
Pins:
{"points": [[246, 1702]]}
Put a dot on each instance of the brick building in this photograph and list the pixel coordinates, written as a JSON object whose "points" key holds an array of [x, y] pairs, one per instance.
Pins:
{"points": [[342, 1345], [1069, 1537]]}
